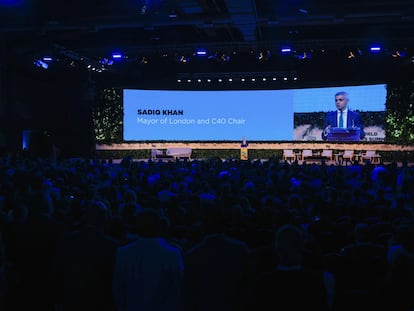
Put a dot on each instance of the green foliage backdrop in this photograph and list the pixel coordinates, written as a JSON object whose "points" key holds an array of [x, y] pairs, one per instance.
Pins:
{"points": [[107, 115], [399, 126]]}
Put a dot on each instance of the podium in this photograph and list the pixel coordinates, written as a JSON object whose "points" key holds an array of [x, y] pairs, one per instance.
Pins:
{"points": [[244, 153], [344, 134]]}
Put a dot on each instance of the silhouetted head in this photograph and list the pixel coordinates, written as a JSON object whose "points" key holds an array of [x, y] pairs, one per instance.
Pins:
{"points": [[150, 224], [41, 204], [96, 215], [362, 233], [289, 243]]}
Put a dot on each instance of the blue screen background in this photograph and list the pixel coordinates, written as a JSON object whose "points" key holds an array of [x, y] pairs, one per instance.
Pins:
{"points": [[267, 114]]}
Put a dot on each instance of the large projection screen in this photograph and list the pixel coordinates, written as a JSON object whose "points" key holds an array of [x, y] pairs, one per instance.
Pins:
{"points": [[258, 115]]}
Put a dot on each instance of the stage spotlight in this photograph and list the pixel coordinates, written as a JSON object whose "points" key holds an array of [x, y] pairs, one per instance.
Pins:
{"points": [[305, 55], [274, 79], [351, 55], [172, 14], [264, 79], [199, 80], [189, 80], [253, 79], [399, 54], [264, 56], [220, 57], [214, 56], [285, 79], [106, 61], [225, 58], [243, 79], [179, 80], [230, 80], [47, 58], [41, 64], [295, 79], [183, 59], [220, 80], [375, 49], [208, 80]]}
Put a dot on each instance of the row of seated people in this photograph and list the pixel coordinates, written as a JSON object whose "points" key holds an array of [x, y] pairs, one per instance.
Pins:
{"points": [[205, 235], [346, 156]]}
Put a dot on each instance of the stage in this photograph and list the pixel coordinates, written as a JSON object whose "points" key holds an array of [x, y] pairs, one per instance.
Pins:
{"points": [[379, 147]]}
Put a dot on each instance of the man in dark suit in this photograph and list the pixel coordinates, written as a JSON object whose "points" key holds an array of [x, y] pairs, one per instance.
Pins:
{"points": [[342, 117]]}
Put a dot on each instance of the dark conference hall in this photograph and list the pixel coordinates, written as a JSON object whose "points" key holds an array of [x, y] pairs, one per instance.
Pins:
{"points": [[204, 155]]}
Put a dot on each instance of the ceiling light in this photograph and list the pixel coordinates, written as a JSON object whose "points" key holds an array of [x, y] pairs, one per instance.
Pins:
{"points": [[172, 15], [201, 52], [116, 55]]}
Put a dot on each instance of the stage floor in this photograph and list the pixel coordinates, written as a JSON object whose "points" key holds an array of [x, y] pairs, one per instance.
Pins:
{"points": [[300, 162], [316, 145]]}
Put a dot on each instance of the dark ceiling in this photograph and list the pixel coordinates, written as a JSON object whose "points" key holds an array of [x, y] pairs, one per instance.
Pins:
{"points": [[93, 29]]}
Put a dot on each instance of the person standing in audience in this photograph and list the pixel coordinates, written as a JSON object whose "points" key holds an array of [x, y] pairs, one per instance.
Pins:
{"points": [[401, 272], [84, 264], [31, 247], [148, 272], [217, 270], [291, 286]]}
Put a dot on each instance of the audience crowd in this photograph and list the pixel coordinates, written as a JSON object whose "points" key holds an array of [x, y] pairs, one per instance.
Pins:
{"points": [[205, 235]]}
